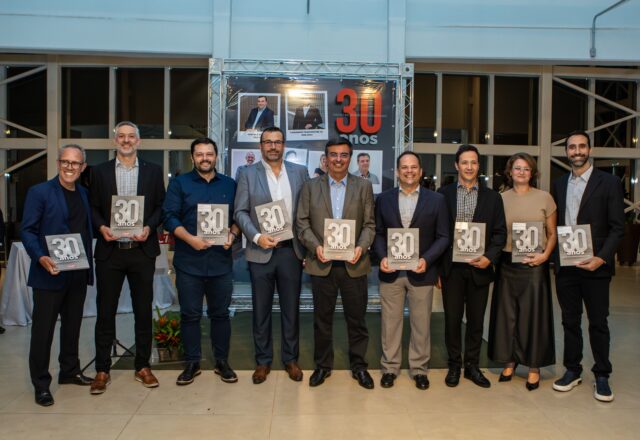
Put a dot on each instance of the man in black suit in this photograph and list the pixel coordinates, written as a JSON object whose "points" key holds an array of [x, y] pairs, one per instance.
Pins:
{"points": [[117, 257], [307, 117], [587, 196], [465, 286], [261, 117], [409, 206]]}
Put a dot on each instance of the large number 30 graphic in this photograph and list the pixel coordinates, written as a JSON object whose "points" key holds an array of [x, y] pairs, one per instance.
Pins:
{"points": [[67, 248], [129, 211], [340, 237]]}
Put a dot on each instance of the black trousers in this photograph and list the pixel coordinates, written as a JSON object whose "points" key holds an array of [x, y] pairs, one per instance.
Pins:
{"points": [[283, 271], [353, 292], [47, 305], [138, 268], [573, 290], [461, 295]]}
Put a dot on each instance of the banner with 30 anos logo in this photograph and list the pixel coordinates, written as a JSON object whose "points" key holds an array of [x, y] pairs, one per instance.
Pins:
{"points": [[67, 251]]}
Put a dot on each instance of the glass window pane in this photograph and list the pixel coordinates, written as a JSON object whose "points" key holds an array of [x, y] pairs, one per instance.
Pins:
{"points": [[424, 108], [153, 156], [21, 180], [179, 162], [449, 173], [428, 170], [189, 94], [85, 103], [516, 111], [569, 109], [464, 109], [140, 99], [26, 102], [619, 135]]}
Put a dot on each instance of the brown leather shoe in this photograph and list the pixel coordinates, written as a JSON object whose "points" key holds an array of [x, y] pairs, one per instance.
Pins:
{"points": [[260, 375], [146, 377], [100, 382], [294, 371]]}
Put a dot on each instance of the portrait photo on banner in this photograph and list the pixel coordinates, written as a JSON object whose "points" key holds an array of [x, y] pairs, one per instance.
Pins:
{"points": [[368, 164], [307, 115], [257, 111], [242, 158]]}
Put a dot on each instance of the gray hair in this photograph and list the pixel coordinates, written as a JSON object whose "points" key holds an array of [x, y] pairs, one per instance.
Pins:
{"points": [[126, 123], [77, 147]]}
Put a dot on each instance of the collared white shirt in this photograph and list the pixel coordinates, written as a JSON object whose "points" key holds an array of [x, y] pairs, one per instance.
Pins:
{"points": [[127, 178], [305, 110], [407, 203], [338, 191], [279, 188], [575, 191]]}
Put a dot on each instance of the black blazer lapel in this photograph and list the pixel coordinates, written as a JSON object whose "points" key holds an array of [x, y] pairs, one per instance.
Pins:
{"points": [[561, 197], [111, 175], [422, 200], [594, 181], [142, 174]]}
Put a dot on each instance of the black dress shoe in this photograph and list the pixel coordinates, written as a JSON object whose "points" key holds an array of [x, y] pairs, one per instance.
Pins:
{"points": [[44, 398], [188, 375], [387, 380], [532, 386], [474, 374], [225, 372], [364, 378], [453, 377], [505, 378], [78, 379], [422, 381], [318, 377]]}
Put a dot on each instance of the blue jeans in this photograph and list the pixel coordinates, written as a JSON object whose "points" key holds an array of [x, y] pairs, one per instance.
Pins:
{"points": [[191, 291]]}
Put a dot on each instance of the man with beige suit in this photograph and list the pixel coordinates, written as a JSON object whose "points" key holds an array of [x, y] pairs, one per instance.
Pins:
{"points": [[338, 195]]}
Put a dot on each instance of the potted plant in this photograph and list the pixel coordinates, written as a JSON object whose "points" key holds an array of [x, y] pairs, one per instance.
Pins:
{"points": [[628, 249], [166, 334]]}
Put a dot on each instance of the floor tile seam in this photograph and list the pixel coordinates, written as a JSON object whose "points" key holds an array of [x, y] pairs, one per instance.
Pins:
{"points": [[131, 416]]}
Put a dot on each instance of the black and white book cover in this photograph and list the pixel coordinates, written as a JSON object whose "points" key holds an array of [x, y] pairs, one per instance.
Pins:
{"points": [[403, 248], [127, 214], [574, 244], [339, 239], [274, 220], [468, 241], [213, 223], [526, 238], [67, 251]]}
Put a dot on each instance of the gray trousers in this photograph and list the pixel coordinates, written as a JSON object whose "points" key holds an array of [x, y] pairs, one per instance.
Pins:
{"points": [[392, 299]]}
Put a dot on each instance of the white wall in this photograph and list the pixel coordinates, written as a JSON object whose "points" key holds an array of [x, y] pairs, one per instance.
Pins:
{"points": [[341, 30]]}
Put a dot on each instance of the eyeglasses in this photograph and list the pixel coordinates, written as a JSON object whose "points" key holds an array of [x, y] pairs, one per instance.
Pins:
{"points": [[521, 169], [70, 164], [271, 143], [333, 155]]}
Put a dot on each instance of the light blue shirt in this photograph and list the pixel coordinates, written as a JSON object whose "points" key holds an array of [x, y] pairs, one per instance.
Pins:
{"points": [[338, 191], [575, 190], [255, 122]]}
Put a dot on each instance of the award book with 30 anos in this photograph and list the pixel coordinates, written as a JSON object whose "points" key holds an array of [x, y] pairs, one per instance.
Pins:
{"points": [[574, 244], [127, 214], [339, 239], [213, 223], [468, 241], [526, 238], [67, 251], [274, 220], [403, 248]]}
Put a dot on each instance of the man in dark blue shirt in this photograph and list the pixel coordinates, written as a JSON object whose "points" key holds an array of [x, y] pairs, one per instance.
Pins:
{"points": [[202, 269]]}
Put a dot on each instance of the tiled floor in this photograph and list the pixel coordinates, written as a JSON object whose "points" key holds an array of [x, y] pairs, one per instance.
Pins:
{"points": [[282, 409]]}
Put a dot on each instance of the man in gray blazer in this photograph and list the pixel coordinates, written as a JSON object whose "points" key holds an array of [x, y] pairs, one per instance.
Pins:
{"points": [[341, 195], [271, 261]]}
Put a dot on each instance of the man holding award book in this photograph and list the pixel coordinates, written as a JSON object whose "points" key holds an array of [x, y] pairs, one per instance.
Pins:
{"points": [[56, 233], [590, 228], [477, 224], [336, 225], [126, 196], [198, 212], [411, 234], [266, 203]]}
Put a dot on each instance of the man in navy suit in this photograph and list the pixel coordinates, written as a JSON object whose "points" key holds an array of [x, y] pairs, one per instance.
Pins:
{"points": [[57, 206], [587, 195], [465, 286], [261, 117], [117, 258], [272, 262], [409, 206]]}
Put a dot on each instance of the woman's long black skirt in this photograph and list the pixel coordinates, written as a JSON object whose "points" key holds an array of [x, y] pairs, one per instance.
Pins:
{"points": [[521, 326]]}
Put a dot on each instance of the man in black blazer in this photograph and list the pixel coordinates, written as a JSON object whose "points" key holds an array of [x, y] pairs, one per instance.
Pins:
{"points": [[307, 117], [260, 117], [409, 206], [587, 196], [116, 257], [465, 286]]}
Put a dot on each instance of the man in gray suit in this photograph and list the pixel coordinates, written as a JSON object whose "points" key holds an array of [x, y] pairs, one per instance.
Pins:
{"points": [[271, 261], [340, 195]]}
